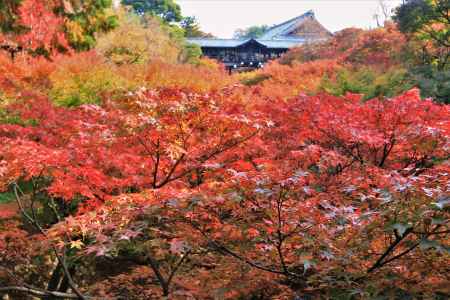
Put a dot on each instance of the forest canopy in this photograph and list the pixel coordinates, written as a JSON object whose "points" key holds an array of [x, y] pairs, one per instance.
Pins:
{"points": [[133, 167]]}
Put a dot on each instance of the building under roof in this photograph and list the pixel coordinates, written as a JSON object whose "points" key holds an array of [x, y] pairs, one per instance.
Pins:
{"points": [[276, 40]]}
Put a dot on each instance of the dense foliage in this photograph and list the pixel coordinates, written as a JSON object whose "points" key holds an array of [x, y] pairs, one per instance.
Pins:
{"points": [[167, 10], [426, 25], [381, 62], [251, 32], [191, 28], [428, 22], [46, 27], [131, 172]]}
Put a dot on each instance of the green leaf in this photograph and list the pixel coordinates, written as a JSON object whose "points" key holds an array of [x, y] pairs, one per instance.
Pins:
{"points": [[401, 228], [307, 264], [442, 202], [428, 244], [6, 197], [437, 221]]}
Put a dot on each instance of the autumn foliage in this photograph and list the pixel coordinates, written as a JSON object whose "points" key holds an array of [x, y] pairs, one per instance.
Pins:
{"points": [[50, 27], [307, 193], [353, 60], [381, 47], [160, 179]]}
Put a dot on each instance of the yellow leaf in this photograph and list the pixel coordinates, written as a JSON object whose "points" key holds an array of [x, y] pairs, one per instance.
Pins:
{"points": [[76, 244]]}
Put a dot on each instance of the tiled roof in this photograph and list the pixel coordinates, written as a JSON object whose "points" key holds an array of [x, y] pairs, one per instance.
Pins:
{"points": [[222, 43], [285, 28], [232, 43]]}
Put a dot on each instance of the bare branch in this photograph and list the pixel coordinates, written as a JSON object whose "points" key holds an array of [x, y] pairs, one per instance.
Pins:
{"points": [[177, 267], [39, 292]]}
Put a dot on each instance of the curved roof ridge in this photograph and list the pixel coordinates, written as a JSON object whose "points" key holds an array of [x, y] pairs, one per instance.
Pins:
{"points": [[283, 27]]}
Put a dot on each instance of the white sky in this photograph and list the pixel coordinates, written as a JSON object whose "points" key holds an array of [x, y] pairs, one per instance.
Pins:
{"points": [[223, 17]]}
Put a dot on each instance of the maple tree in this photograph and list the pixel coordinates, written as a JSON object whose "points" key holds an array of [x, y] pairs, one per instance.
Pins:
{"points": [[48, 27], [39, 29], [170, 180]]}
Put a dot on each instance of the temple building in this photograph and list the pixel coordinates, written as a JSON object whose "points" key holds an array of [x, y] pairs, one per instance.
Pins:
{"points": [[236, 53]]}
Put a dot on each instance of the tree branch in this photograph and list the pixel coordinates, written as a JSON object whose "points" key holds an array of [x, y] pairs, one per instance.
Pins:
{"points": [[280, 236], [169, 175], [61, 260], [380, 262], [40, 293], [177, 267], [203, 158], [162, 282]]}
